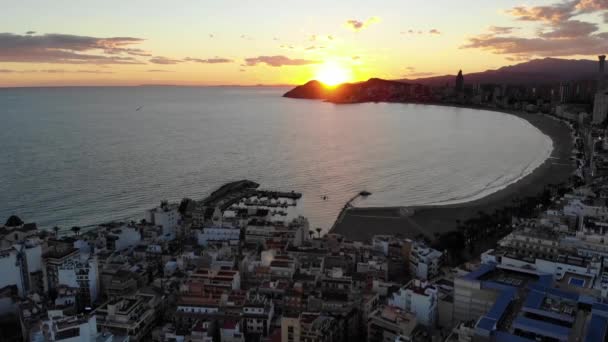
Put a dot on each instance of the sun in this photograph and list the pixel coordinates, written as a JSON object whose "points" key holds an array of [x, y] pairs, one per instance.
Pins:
{"points": [[332, 74]]}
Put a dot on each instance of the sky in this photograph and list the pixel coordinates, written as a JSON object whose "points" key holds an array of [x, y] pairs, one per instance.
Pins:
{"points": [[240, 42]]}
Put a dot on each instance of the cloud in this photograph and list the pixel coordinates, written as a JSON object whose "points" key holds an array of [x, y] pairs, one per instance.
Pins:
{"points": [[431, 32], [313, 47], [158, 70], [244, 36], [518, 58], [164, 60], [278, 61], [558, 34], [551, 13], [57, 71], [94, 72], [420, 74], [558, 12], [592, 5], [68, 49], [357, 25], [502, 29], [216, 60], [411, 72], [545, 47], [570, 29]]}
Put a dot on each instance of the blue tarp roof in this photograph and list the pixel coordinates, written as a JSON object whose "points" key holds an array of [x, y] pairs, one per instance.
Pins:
{"points": [[541, 328], [483, 269], [596, 331]]}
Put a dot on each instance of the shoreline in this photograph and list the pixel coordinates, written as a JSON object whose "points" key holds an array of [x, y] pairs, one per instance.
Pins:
{"points": [[361, 223]]}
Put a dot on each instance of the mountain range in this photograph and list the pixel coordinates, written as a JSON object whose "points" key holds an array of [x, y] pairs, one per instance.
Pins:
{"points": [[537, 71]]}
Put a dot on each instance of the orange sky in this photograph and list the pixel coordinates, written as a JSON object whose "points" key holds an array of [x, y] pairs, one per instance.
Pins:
{"points": [[242, 42]]}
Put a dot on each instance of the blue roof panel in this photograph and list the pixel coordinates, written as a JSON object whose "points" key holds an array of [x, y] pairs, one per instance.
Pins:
{"points": [[596, 331], [500, 306], [486, 324], [534, 300], [483, 269]]}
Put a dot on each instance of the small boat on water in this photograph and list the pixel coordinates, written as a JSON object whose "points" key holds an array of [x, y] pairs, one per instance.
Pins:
{"points": [[365, 193]]}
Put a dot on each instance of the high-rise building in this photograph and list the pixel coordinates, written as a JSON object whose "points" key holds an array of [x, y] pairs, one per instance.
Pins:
{"points": [[600, 104], [459, 82]]}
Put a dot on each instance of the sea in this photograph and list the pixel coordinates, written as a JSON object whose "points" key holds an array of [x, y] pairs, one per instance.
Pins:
{"points": [[79, 156]]}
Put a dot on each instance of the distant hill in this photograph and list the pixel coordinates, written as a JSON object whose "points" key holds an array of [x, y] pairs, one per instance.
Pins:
{"points": [[372, 90], [537, 71]]}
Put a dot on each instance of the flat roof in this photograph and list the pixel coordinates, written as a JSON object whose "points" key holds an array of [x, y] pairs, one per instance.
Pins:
{"points": [[541, 328]]}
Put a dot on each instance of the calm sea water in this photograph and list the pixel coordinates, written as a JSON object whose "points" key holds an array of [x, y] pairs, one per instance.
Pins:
{"points": [[79, 156]]}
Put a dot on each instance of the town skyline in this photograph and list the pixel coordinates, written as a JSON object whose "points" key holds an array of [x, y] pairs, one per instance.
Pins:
{"points": [[244, 44]]}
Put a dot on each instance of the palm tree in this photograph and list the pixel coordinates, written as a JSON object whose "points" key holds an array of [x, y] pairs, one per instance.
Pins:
{"points": [[76, 230], [318, 231], [56, 230], [310, 234]]}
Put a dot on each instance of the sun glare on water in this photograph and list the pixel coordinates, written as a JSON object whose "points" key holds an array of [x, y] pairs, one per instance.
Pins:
{"points": [[332, 74]]}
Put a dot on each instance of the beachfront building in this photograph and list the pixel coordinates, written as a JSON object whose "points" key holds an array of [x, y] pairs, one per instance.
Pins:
{"points": [[21, 266], [167, 217], [420, 299], [123, 237]]}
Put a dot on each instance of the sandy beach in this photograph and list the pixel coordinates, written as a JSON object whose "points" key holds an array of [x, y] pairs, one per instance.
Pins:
{"points": [[362, 223]]}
